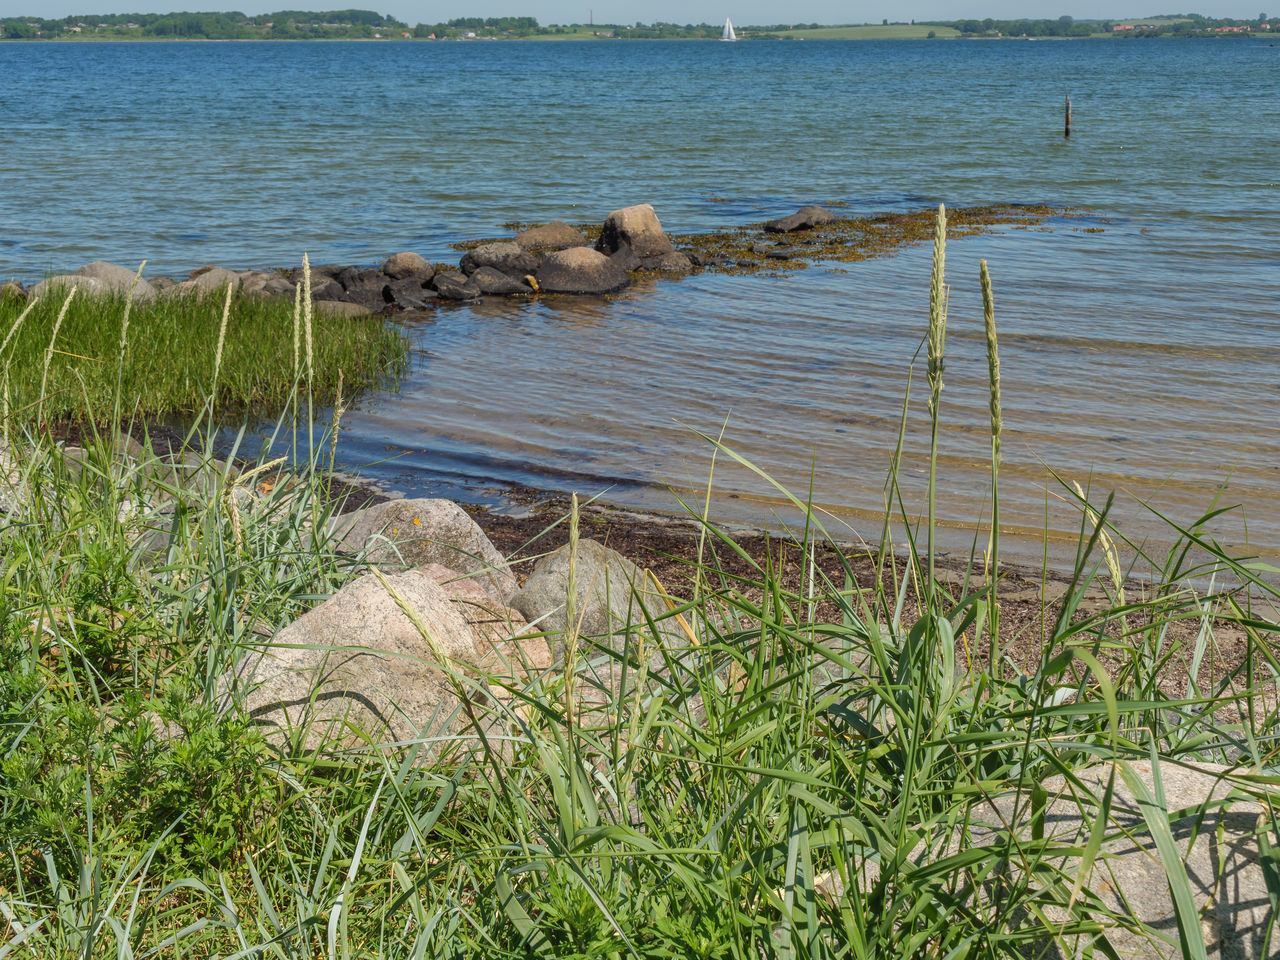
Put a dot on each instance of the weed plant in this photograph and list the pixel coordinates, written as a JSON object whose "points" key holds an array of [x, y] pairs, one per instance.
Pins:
{"points": [[776, 785]]}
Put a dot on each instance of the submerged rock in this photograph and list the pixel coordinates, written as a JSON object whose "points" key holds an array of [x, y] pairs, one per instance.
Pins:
{"points": [[802, 219]]}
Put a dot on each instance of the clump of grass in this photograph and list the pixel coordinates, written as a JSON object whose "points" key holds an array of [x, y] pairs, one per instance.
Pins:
{"points": [[181, 346]]}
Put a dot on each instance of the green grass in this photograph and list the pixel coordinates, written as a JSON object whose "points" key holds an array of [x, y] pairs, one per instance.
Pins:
{"points": [[171, 350], [709, 809]]}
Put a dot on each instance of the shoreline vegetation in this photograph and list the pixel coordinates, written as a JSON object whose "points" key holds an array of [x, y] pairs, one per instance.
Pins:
{"points": [[236, 721], [369, 25]]}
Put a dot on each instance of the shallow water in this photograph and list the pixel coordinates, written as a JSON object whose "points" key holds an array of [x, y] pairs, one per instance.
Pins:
{"points": [[1139, 358]]}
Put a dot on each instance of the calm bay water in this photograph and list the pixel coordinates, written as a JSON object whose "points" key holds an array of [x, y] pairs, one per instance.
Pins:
{"points": [[1141, 358]]}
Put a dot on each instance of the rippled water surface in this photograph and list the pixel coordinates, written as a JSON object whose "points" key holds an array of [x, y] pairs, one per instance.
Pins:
{"points": [[1138, 343]]}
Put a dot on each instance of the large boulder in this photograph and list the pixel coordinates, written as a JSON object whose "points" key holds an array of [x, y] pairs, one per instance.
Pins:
{"points": [[803, 219], [456, 286], [62, 284], [556, 235], [1216, 837], [210, 280], [402, 265], [580, 270], [119, 280], [635, 227], [357, 670], [410, 533], [505, 644], [493, 281], [613, 597], [258, 283], [505, 257]]}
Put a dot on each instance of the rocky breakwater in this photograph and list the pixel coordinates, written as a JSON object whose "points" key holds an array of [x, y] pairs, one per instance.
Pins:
{"points": [[553, 258]]}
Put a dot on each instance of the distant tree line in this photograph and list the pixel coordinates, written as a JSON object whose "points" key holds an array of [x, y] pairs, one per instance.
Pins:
{"points": [[285, 24], [1164, 25]]}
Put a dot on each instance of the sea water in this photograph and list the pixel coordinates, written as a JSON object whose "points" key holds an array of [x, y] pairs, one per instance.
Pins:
{"points": [[1138, 337]]}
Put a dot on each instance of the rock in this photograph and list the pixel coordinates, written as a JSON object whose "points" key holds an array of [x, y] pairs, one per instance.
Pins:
{"points": [[214, 279], [61, 284], [1220, 853], [367, 278], [580, 270], [374, 300], [162, 283], [626, 258], [410, 288], [14, 290], [802, 219], [636, 227], [556, 235], [202, 282], [356, 670], [456, 286], [318, 271], [119, 280], [402, 265], [673, 263], [257, 283], [502, 635], [340, 308], [506, 257], [493, 281], [612, 596], [408, 533]]}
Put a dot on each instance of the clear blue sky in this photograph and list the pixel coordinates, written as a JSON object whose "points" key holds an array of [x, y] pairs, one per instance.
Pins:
{"points": [[677, 11]]}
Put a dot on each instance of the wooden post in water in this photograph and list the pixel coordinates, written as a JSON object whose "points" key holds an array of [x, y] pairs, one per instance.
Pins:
{"points": [[1067, 130]]}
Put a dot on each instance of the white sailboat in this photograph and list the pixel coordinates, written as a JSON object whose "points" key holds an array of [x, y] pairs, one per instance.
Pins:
{"points": [[727, 36]]}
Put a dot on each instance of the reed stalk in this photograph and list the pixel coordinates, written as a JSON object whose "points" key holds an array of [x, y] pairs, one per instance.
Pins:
{"points": [[937, 350], [993, 383]]}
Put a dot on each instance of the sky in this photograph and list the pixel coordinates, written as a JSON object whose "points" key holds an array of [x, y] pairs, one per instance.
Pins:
{"points": [[675, 11]]}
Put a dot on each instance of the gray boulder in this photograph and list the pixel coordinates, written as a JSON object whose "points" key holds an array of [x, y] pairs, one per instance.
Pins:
{"points": [[209, 280], [409, 533], [119, 280], [402, 265], [580, 270], [492, 281], [12, 289], [505, 256], [505, 643], [802, 219], [556, 235], [410, 288], [456, 286], [612, 595], [636, 227], [366, 278], [675, 263], [626, 258], [257, 283], [62, 284], [356, 670], [1216, 840]]}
